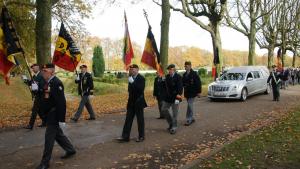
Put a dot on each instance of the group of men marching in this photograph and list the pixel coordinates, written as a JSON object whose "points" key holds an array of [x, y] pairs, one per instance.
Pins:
{"points": [[50, 102]]}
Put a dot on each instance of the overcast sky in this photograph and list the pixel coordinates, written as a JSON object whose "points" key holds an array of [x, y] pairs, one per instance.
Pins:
{"points": [[183, 32]]}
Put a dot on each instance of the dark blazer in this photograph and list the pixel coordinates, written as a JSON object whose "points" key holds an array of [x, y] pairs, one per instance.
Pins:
{"points": [[39, 80], [55, 104], [173, 87], [159, 88], [136, 89], [191, 84], [85, 84]]}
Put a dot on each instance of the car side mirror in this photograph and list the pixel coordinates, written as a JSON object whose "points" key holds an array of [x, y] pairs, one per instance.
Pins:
{"points": [[249, 79]]}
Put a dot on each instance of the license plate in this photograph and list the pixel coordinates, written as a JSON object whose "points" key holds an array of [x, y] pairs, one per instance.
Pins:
{"points": [[219, 94]]}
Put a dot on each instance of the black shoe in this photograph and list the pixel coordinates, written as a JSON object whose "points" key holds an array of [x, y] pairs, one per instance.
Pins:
{"points": [[160, 117], [73, 120], [68, 155], [43, 166], [28, 127], [140, 139], [91, 118], [122, 140], [172, 131]]}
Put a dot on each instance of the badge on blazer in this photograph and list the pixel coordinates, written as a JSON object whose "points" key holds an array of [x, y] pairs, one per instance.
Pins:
{"points": [[60, 88]]}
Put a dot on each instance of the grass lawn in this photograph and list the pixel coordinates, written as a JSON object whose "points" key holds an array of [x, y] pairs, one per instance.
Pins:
{"points": [[277, 146]]}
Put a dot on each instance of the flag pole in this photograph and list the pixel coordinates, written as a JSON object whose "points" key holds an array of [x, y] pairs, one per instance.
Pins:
{"points": [[146, 16]]}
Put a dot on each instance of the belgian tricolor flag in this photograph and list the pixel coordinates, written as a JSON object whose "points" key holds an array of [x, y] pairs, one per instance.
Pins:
{"points": [[151, 55], [66, 54], [9, 44], [128, 50]]}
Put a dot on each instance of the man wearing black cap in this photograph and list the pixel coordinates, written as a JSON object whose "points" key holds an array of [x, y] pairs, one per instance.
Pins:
{"points": [[192, 88], [173, 87], [54, 102], [275, 83], [85, 89], [135, 105], [36, 84]]}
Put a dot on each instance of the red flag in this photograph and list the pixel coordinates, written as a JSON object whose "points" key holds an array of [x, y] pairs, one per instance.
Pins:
{"points": [[128, 50], [66, 54], [9, 44], [214, 72], [279, 60], [151, 56]]}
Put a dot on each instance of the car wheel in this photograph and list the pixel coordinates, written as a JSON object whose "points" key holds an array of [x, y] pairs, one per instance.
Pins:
{"points": [[244, 94], [268, 90]]}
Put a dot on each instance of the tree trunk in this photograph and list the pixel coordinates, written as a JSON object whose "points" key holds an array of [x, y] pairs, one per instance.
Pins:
{"points": [[270, 55], [164, 39], [217, 45], [43, 31], [294, 58], [251, 37]]}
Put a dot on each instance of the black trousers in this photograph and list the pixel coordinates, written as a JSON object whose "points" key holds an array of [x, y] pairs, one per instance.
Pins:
{"points": [[159, 104], [37, 110], [55, 133], [276, 93], [131, 112]]}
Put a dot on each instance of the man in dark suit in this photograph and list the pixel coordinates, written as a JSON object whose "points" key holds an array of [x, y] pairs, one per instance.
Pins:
{"points": [[85, 89], [158, 93], [192, 88], [54, 105], [275, 83], [173, 87], [135, 105], [36, 86]]}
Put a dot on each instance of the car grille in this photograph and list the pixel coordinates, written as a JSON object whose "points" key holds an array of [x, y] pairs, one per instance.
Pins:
{"points": [[219, 88]]}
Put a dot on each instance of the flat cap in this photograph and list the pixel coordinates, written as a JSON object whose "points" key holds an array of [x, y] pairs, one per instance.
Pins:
{"points": [[34, 65], [48, 65], [171, 66], [273, 66], [134, 66], [83, 66]]}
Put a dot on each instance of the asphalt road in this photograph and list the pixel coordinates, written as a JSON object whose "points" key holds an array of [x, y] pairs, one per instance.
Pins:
{"points": [[97, 148]]}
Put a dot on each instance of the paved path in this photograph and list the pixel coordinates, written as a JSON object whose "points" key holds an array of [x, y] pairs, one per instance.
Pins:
{"points": [[97, 149]]}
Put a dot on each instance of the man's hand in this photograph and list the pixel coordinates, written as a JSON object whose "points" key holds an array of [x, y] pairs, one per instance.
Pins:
{"points": [[130, 79], [62, 124], [34, 87], [77, 77], [177, 101]]}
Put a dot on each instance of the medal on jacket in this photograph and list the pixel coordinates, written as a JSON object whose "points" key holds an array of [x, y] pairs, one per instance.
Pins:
{"points": [[47, 91]]}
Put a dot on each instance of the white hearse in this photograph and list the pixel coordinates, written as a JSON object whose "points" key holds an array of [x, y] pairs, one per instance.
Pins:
{"points": [[239, 83]]}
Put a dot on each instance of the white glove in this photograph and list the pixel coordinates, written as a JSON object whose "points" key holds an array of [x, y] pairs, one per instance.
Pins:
{"points": [[62, 124], [34, 87], [177, 101], [24, 77], [130, 79], [77, 77]]}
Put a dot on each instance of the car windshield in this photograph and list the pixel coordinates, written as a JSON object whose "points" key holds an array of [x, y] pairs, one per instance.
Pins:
{"points": [[233, 76]]}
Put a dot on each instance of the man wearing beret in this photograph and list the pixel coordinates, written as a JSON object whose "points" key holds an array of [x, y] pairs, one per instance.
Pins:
{"points": [[54, 102], [192, 88], [85, 89], [135, 105], [275, 83], [36, 87], [173, 87]]}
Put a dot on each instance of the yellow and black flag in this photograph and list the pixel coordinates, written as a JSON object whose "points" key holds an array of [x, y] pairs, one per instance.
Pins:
{"points": [[66, 54], [151, 56], [9, 44]]}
